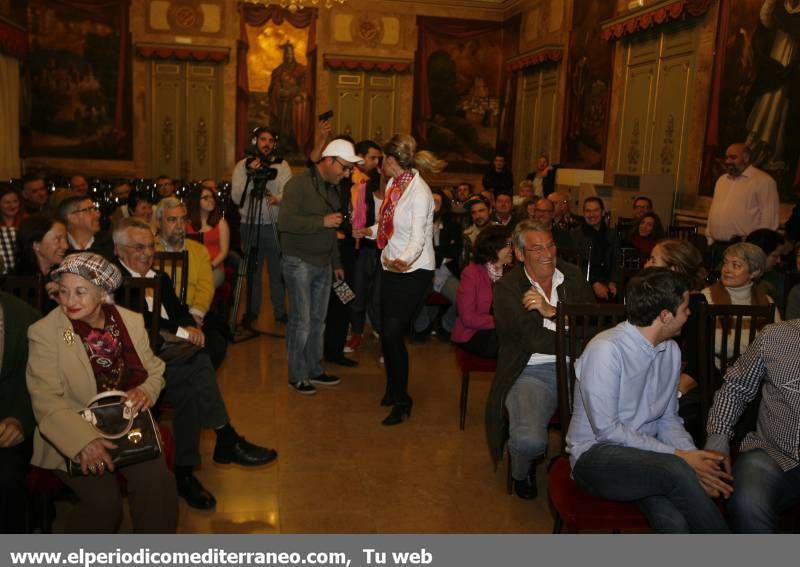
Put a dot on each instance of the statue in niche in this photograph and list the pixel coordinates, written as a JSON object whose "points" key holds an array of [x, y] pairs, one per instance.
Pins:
{"points": [[288, 100]]}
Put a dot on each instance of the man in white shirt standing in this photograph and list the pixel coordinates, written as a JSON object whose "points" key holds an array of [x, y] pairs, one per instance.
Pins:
{"points": [[745, 199], [257, 231]]}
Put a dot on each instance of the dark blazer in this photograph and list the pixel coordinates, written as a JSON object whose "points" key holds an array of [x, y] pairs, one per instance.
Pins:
{"points": [[103, 244], [14, 399], [451, 242], [605, 249], [520, 333], [178, 312]]}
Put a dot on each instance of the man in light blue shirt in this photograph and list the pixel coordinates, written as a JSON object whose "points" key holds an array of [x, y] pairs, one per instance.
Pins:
{"points": [[626, 441]]}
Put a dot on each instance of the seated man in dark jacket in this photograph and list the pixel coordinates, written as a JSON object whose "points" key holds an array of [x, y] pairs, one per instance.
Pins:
{"points": [[16, 414], [524, 305], [191, 381]]}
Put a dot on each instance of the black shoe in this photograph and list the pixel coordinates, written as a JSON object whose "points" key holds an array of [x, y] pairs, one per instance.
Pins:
{"points": [[283, 319], [244, 453], [526, 489], [343, 361], [195, 494], [325, 380], [418, 338], [303, 387], [398, 415], [386, 400]]}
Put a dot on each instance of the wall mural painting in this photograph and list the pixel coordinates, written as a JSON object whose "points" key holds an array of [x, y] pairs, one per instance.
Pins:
{"points": [[79, 80], [279, 79], [588, 87], [759, 89], [458, 90]]}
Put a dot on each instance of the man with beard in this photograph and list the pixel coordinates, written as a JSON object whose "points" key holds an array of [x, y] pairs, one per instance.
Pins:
{"points": [[171, 219], [260, 235], [481, 212], [745, 199]]}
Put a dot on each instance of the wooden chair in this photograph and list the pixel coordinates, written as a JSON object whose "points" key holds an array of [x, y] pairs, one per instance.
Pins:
{"points": [[577, 510], [724, 324], [176, 266], [468, 362], [133, 293], [630, 263], [686, 232], [29, 289]]}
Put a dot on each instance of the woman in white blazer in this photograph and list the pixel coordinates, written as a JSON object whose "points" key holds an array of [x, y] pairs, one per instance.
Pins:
{"points": [[403, 233]]}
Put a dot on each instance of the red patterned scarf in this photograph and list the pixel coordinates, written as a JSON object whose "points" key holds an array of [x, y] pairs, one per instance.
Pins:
{"points": [[393, 194]]}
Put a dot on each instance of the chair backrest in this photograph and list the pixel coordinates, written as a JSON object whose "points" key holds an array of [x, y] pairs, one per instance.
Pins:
{"points": [[29, 289], [133, 294], [687, 232], [725, 331], [581, 257], [790, 279], [576, 324], [176, 266]]}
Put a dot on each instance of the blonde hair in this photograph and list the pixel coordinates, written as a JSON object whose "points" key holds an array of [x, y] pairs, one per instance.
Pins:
{"points": [[402, 148]]}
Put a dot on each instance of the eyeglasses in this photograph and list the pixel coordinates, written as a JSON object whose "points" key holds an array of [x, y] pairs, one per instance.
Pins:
{"points": [[93, 208], [540, 249], [346, 167], [140, 247]]}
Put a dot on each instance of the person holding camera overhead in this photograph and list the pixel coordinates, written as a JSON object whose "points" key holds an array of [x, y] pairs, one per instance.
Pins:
{"points": [[309, 216], [261, 164]]}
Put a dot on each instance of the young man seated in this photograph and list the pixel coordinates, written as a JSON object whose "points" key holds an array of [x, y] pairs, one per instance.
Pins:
{"points": [[766, 475], [626, 441]]}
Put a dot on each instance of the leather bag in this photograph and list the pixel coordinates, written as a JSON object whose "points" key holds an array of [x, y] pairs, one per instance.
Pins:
{"points": [[136, 435]]}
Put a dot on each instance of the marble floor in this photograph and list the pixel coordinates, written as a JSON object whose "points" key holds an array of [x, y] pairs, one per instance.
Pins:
{"points": [[340, 471]]}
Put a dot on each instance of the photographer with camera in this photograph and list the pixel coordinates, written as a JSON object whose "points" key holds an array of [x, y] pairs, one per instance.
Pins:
{"points": [[257, 188]]}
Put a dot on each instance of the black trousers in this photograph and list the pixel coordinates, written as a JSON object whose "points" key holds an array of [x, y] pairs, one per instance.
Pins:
{"points": [[194, 394], [483, 343], [14, 464], [338, 317], [402, 295]]}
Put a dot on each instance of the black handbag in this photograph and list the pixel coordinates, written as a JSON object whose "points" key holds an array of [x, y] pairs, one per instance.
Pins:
{"points": [[136, 435]]}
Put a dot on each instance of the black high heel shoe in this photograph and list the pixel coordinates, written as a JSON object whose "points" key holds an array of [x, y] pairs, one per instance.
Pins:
{"points": [[386, 400], [398, 415]]}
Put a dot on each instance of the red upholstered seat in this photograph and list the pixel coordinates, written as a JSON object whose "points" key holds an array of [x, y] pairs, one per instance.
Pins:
{"points": [[468, 362], [580, 511], [436, 298]]}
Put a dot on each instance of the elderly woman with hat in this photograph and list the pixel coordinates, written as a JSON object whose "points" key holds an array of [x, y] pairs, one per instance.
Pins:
{"points": [[85, 347]]}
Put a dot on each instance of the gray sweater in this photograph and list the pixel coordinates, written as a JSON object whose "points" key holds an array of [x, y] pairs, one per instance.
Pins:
{"points": [[305, 203]]}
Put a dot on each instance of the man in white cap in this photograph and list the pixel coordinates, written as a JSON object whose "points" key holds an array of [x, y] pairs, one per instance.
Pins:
{"points": [[310, 213]]}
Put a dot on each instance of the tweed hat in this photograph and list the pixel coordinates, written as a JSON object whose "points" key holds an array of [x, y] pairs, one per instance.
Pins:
{"points": [[93, 267]]}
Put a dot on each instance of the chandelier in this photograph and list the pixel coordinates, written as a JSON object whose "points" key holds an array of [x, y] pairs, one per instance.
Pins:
{"points": [[295, 5]]}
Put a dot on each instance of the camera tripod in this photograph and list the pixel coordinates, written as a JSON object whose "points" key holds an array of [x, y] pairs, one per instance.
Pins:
{"points": [[251, 244]]}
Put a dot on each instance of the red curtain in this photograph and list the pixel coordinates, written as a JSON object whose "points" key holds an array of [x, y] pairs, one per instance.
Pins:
{"points": [[711, 146], [257, 16], [429, 28]]}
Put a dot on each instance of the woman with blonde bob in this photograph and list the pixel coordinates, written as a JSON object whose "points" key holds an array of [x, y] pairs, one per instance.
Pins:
{"points": [[85, 347], [403, 233]]}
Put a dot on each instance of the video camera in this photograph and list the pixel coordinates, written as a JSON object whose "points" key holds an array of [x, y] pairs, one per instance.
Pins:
{"points": [[264, 173]]}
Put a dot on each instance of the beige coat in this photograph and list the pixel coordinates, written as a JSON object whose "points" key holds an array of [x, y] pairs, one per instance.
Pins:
{"points": [[61, 382]]}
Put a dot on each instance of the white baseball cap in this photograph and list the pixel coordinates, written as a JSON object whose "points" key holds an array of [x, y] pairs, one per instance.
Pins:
{"points": [[342, 149]]}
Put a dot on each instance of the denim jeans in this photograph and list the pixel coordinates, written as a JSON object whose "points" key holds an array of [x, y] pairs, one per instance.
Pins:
{"points": [[663, 485], [761, 492], [531, 403], [269, 250], [309, 287]]}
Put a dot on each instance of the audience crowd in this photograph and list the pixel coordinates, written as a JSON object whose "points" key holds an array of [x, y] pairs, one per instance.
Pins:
{"points": [[485, 269]]}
